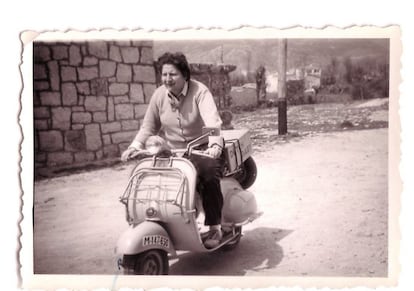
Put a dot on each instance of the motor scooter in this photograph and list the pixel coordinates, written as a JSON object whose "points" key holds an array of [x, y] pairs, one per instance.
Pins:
{"points": [[163, 206]]}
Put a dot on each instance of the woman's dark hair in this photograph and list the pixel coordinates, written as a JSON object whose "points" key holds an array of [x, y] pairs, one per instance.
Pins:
{"points": [[178, 60]]}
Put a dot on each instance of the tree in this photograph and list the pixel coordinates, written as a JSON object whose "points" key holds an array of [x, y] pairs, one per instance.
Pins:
{"points": [[348, 70]]}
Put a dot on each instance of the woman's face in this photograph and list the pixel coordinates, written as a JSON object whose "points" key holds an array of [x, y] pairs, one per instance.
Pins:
{"points": [[172, 79]]}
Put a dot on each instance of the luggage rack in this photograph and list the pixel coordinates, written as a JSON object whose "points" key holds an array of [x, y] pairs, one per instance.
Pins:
{"points": [[154, 186]]}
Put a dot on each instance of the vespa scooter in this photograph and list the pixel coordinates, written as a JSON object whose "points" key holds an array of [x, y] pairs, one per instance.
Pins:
{"points": [[164, 211]]}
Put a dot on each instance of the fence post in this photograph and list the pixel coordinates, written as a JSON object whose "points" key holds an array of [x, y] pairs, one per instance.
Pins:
{"points": [[281, 100]]}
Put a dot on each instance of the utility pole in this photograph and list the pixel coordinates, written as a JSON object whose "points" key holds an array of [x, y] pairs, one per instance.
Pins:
{"points": [[281, 90]]}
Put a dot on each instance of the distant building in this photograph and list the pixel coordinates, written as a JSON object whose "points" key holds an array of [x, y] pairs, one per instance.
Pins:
{"points": [[312, 77]]}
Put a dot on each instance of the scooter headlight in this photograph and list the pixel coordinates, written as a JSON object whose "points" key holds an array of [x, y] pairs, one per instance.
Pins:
{"points": [[151, 212]]}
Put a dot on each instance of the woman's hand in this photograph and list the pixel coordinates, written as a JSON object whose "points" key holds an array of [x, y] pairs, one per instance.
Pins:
{"points": [[128, 153], [214, 151]]}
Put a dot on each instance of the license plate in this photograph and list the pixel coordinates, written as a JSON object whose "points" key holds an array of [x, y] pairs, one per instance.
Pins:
{"points": [[156, 240]]}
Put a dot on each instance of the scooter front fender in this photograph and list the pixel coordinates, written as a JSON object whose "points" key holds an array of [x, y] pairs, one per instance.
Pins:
{"points": [[142, 237]]}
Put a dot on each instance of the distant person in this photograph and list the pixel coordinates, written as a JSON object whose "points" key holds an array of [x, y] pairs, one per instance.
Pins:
{"points": [[177, 112], [261, 85]]}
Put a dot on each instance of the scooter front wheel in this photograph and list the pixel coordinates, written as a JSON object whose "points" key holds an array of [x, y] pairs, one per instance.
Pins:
{"points": [[152, 262]]}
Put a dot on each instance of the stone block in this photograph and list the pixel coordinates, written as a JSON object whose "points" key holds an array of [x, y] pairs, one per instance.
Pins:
{"points": [[123, 146], [68, 73], [144, 74], [41, 53], [123, 43], [54, 77], [99, 154], [60, 52], [148, 91], [50, 141], [50, 98], [41, 112], [41, 85], [81, 117], [95, 103], [115, 53], [82, 157], [75, 140], [41, 124], [118, 89], [99, 117], [36, 99], [87, 73], [125, 136], [90, 61], [140, 110], [59, 159], [111, 109], [75, 57], [130, 55], [110, 127], [69, 94], [124, 111], [40, 157], [98, 49], [147, 56], [78, 109], [84, 49], [111, 151], [61, 118], [129, 125], [107, 68], [83, 88], [121, 99], [106, 139], [124, 73], [81, 100], [99, 87], [147, 43], [136, 93], [78, 126], [39, 72], [93, 137]]}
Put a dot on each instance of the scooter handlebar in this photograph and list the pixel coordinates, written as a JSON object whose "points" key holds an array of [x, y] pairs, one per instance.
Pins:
{"points": [[144, 153]]}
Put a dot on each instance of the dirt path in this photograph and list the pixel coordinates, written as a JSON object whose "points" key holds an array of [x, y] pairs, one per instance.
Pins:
{"points": [[324, 199]]}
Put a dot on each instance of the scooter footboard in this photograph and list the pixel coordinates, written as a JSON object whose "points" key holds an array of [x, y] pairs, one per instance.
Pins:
{"points": [[142, 237]]}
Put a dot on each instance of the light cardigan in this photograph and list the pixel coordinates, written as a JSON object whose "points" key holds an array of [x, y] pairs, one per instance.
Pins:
{"points": [[179, 120]]}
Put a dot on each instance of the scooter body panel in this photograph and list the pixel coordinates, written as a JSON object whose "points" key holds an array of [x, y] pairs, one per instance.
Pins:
{"points": [[142, 237]]}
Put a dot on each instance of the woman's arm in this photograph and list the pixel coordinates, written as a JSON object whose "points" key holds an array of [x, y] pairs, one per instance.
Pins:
{"points": [[150, 125]]}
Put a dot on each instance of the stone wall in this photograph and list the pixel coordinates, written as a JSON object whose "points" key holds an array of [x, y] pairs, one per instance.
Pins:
{"points": [[89, 98]]}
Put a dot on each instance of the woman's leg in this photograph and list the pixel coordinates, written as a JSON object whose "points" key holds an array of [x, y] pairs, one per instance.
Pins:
{"points": [[209, 173]]}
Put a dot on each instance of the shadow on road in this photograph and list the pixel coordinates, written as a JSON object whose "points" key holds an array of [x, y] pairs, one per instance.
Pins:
{"points": [[258, 250]]}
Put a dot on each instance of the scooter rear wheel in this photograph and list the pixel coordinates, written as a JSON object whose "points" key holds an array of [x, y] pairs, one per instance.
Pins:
{"points": [[248, 173], [152, 262]]}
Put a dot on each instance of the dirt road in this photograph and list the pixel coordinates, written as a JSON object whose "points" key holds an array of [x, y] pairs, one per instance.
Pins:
{"points": [[325, 207]]}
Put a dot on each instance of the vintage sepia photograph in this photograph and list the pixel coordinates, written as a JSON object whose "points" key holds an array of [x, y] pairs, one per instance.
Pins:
{"points": [[247, 154]]}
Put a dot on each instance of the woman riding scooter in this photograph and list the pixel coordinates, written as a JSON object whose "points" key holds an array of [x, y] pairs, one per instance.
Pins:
{"points": [[177, 112]]}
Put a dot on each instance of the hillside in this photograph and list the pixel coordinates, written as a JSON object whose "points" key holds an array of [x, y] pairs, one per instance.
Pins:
{"points": [[249, 54]]}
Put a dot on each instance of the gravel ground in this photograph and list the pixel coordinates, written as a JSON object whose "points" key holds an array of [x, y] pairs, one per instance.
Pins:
{"points": [[324, 197]]}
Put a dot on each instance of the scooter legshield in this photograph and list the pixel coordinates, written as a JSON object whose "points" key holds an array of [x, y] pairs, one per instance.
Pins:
{"points": [[145, 236]]}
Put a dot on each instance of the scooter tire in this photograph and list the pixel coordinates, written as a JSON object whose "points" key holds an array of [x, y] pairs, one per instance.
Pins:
{"points": [[152, 262], [247, 176]]}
